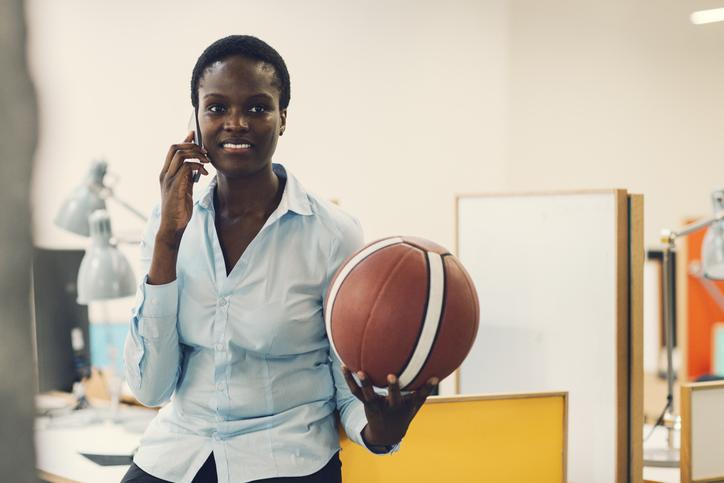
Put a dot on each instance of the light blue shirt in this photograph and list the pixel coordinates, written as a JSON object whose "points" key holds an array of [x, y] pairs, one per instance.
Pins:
{"points": [[244, 358]]}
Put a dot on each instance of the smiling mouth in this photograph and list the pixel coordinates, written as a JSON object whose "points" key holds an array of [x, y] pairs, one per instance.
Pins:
{"points": [[236, 147]]}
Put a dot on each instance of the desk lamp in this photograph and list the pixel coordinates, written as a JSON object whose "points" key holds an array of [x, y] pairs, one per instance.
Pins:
{"points": [[712, 264], [104, 272], [87, 198]]}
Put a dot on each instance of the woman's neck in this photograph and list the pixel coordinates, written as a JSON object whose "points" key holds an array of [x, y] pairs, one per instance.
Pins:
{"points": [[258, 194]]}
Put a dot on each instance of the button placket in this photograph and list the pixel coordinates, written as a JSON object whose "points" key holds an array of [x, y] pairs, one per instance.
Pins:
{"points": [[220, 359]]}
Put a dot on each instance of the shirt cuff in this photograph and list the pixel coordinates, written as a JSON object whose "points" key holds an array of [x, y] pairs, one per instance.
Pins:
{"points": [[392, 448], [160, 302]]}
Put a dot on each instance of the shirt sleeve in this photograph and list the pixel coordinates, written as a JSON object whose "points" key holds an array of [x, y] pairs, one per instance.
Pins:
{"points": [[152, 352], [351, 410]]}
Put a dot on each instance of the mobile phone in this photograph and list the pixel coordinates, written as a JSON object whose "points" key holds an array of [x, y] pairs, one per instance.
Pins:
{"points": [[194, 126]]}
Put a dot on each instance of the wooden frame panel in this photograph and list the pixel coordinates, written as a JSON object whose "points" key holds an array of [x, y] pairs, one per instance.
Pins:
{"points": [[623, 381], [636, 337]]}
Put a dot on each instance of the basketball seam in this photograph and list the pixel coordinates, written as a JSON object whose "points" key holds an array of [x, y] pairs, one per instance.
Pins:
{"points": [[428, 282], [413, 244], [374, 305]]}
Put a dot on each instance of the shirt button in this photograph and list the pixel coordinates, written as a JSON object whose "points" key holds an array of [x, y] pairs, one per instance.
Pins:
{"points": [[222, 302], [220, 347], [220, 386], [216, 436], [219, 418]]}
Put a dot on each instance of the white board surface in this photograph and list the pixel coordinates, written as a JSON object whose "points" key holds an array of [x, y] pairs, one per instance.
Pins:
{"points": [[545, 269], [707, 433]]}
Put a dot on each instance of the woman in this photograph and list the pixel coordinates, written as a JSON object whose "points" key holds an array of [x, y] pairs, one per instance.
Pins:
{"points": [[228, 323]]}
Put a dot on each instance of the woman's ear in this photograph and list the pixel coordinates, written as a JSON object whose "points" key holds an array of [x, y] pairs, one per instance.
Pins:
{"points": [[284, 122]]}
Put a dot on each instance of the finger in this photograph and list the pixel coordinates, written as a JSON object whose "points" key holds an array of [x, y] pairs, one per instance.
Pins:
{"points": [[184, 179], [352, 384], [394, 396], [182, 155], [172, 150], [367, 390], [422, 393], [188, 167], [203, 155], [197, 167], [188, 143], [183, 182]]}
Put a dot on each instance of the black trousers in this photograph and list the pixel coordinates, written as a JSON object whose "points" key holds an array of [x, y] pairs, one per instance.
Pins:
{"points": [[331, 473]]}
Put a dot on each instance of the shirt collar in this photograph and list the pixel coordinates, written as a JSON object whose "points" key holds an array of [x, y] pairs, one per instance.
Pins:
{"points": [[294, 198]]}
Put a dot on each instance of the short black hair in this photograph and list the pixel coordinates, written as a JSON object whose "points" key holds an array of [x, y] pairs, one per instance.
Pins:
{"points": [[245, 46]]}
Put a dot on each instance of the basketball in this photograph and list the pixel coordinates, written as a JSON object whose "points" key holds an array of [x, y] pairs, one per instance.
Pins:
{"points": [[403, 306]]}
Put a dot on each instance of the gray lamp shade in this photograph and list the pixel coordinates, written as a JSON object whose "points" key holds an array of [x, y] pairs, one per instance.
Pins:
{"points": [[712, 248], [85, 199], [104, 272]]}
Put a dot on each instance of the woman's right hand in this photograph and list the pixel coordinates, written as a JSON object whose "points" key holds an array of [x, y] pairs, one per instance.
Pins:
{"points": [[176, 181]]}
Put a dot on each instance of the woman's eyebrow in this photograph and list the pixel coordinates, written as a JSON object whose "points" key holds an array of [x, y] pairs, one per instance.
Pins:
{"points": [[213, 94], [262, 95]]}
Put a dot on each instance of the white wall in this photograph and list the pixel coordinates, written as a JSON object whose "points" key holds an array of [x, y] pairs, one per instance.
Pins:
{"points": [[395, 105], [618, 94]]}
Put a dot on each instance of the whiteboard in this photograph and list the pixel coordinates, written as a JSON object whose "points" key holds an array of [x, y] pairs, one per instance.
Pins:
{"points": [[547, 268], [702, 432]]}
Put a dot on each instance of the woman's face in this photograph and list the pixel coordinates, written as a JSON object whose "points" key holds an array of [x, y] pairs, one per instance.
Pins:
{"points": [[239, 115]]}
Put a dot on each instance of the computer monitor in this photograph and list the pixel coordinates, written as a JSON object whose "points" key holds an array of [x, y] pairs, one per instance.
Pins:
{"points": [[57, 314]]}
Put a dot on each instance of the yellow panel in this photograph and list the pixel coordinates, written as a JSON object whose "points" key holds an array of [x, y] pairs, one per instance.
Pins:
{"points": [[465, 439]]}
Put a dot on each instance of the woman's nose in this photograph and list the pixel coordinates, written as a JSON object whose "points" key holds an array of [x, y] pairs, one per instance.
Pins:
{"points": [[236, 121]]}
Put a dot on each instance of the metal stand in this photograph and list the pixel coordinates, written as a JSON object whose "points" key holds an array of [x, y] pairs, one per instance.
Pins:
{"points": [[669, 456]]}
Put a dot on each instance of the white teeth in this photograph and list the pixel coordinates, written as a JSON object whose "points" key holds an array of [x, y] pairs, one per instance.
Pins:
{"points": [[237, 146]]}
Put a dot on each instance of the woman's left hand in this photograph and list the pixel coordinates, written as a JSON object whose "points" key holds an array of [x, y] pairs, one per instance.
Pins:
{"points": [[387, 417]]}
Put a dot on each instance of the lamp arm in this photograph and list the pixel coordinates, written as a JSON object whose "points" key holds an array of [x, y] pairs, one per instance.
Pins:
{"points": [[669, 236]]}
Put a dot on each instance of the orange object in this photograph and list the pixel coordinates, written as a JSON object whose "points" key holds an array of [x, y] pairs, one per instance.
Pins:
{"points": [[702, 313]]}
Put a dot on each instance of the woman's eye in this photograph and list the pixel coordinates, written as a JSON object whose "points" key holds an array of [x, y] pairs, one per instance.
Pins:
{"points": [[258, 109], [216, 108]]}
